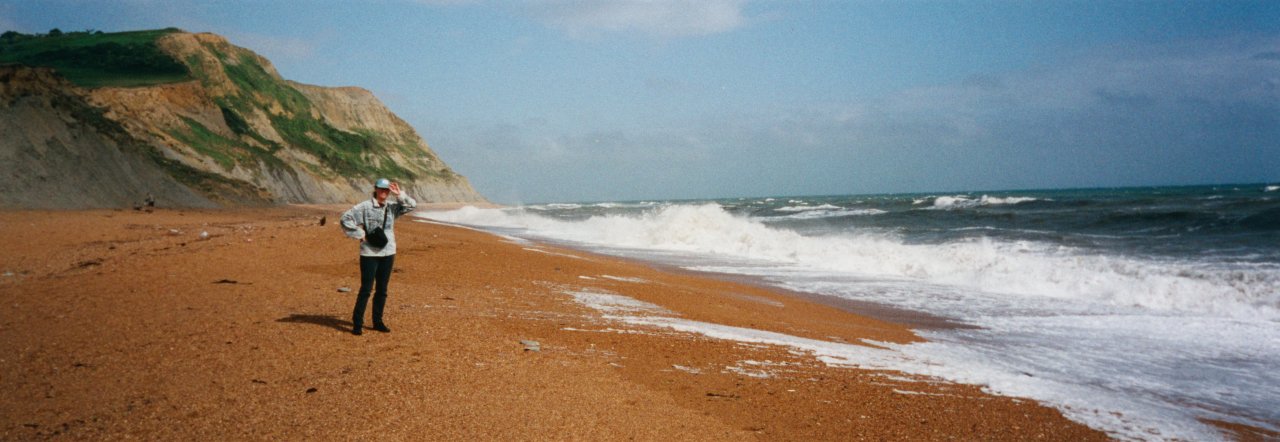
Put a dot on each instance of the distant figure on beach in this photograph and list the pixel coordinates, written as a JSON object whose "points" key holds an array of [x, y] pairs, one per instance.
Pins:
{"points": [[373, 223]]}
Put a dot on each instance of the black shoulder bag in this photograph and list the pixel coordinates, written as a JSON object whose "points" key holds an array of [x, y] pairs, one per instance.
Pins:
{"points": [[377, 237]]}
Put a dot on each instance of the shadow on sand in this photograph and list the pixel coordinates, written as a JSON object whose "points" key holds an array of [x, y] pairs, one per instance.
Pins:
{"points": [[324, 320]]}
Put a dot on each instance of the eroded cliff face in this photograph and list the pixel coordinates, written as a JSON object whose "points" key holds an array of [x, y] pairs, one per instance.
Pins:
{"points": [[236, 134], [355, 109], [57, 151]]}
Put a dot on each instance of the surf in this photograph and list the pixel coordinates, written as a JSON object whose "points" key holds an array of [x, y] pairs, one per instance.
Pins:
{"points": [[1014, 268], [1097, 302]]}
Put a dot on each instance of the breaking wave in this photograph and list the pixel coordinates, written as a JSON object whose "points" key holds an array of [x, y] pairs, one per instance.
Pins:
{"points": [[964, 202], [1011, 268]]}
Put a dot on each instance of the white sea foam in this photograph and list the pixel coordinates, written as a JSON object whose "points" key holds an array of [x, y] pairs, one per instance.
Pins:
{"points": [[991, 200], [625, 279], [566, 255], [613, 304], [690, 370], [953, 202], [1013, 269], [749, 372], [554, 206], [613, 205], [1271, 188], [1088, 404], [805, 208], [822, 211], [963, 202], [813, 214]]}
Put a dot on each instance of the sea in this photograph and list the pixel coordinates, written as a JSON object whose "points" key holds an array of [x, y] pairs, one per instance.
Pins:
{"points": [[1144, 312]]}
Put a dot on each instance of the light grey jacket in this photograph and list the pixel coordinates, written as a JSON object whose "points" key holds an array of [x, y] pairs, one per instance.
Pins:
{"points": [[368, 216]]}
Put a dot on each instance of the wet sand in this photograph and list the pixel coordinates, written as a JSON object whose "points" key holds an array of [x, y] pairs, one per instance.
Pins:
{"points": [[125, 324]]}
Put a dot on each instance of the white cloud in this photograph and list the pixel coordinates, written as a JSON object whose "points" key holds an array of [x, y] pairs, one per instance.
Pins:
{"points": [[660, 18]]}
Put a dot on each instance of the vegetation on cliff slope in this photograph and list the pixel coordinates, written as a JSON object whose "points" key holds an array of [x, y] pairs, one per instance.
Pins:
{"points": [[94, 59], [218, 188], [343, 153]]}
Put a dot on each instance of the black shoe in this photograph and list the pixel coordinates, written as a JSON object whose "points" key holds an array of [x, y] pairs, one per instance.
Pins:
{"points": [[356, 331], [382, 328]]}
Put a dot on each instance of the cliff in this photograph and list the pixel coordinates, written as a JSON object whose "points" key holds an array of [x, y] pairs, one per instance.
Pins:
{"points": [[194, 121]]}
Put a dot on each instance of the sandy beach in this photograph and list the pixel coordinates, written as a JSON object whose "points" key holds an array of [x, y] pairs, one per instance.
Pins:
{"points": [[125, 324]]}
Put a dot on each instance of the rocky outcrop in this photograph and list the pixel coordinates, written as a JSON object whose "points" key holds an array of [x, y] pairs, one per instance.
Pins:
{"points": [[236, 133]]}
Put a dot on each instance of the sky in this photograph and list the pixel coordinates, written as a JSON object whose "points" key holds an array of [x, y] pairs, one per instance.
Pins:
{"points": [[576, 100]]}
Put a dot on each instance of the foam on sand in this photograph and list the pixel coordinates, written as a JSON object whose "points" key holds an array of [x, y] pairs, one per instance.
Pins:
{"points": [[625, 279], [1142, 420], [613, 304]]}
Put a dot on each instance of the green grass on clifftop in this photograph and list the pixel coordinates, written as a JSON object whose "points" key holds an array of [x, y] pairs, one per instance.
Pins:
{"points": [[95, 59]]}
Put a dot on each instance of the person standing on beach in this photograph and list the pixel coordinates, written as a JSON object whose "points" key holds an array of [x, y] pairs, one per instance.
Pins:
{"points": [[375, 262]]}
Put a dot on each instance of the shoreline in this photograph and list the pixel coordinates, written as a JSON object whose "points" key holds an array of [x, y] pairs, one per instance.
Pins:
{"points": [[127, 324], [910, 319]]}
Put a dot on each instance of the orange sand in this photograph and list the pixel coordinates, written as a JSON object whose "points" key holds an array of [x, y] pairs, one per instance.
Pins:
{"points": [[124, 324]]}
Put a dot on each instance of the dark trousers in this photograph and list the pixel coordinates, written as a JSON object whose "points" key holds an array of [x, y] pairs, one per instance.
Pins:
{"points": [[372, 269]]}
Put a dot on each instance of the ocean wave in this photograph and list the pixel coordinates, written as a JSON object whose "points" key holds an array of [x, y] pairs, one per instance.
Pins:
{"points": [[821, 211], [1012, 268], [1271, 188], [964, 202], [1031, 231], [807, 208], [554, 206], [815, 214], [614, 205]]}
